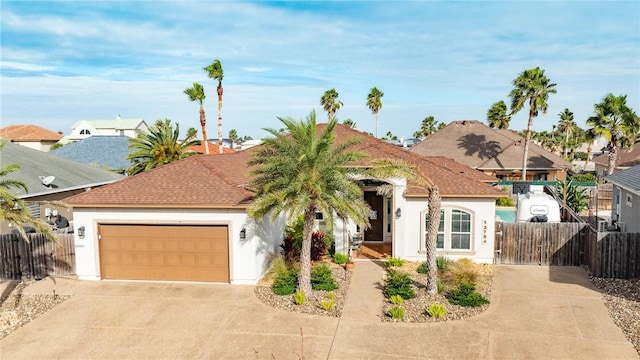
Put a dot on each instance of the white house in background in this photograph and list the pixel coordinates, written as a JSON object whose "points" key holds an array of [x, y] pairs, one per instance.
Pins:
{"points": [[83, 129], [626, 198], [187, 221]]}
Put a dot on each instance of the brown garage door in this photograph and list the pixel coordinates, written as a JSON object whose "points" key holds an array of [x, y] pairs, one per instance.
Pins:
{"points": [[164, 252]]}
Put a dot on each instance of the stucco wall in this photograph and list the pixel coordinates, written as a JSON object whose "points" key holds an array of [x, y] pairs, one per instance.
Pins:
{"points": [[412, 230], [629, 212], [248, 259]]}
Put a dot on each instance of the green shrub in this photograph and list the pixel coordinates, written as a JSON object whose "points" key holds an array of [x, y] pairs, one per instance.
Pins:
{"points": [[285, 283], [437, 311], [340, 258], [396, 299], [466, 295], [328, 304], [322, 279], [462, 271], [505, 201], [440, 286], [395, 262], [396, 312], [442, 262], [299, 297], [398, 283], [583, 177], [423, 268], [277, 267]]}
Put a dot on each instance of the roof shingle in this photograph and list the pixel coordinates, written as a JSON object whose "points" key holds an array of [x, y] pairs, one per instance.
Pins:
{"points": [[28, 133]]}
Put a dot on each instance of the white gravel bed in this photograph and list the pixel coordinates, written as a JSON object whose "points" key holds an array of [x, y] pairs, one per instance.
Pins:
{"points": [[622, 299]]}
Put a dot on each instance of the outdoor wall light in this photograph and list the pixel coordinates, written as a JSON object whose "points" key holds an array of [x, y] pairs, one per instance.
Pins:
{"points": [[81, 232], [398, 213], [243, 234]]}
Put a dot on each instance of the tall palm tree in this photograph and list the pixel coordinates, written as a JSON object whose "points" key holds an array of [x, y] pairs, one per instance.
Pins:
{"points": [[568, 127], [432, 238], [159, 146], [615, 121], [374, 103], [534, 86], [15, 210], [303, 170], [196, 93], [497, 116], [330, 102], [215, 72], [233, 137]]}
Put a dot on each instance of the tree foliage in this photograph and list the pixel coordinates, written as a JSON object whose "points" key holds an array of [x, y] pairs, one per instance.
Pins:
{"points": [[330, 102], [374, 103], [497, 116]]}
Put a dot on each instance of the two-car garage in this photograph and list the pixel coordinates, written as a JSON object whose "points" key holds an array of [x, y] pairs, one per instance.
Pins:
{"points": [[164, 252]]}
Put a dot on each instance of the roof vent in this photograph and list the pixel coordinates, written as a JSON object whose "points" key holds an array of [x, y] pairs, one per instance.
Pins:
{"points": [[47, 180]]}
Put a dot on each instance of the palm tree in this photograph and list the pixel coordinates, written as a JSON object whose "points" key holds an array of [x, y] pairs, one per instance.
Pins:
{"points": [[350, 123], [215, 72], [159, 146], [428, 126], [330, 102], [534, 86], [432, 238], [303, 170], [15, 210], [615, 121], [374, 103], [567, 126], [497, 116], [196, 93], [233, 137]]}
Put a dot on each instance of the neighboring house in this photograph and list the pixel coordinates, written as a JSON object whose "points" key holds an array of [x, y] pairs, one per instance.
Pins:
{"points": [[119, 127], [31, 136], [105, 152], [496, 152], [49, 178], [187, 220], [626, 159], [213, 148], [626, 198]]}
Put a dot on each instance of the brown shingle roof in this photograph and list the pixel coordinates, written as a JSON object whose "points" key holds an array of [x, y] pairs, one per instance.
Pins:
{"points": [[218, 181], [213, 149], [199, 181], [626, 157], [28, 133], [476, 145]]}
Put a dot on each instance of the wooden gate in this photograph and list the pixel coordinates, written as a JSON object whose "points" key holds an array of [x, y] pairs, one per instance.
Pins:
{"points": [[539, 243]]}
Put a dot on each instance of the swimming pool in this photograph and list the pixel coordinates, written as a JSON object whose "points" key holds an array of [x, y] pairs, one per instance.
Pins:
{"points": [[506, 214]]}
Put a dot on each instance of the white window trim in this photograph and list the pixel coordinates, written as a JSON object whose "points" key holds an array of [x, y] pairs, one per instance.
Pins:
{"points": [[447, 231], [629, 198]]}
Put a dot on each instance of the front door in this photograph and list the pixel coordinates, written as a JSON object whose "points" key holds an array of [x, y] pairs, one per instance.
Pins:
{"points": [[376, 202]]}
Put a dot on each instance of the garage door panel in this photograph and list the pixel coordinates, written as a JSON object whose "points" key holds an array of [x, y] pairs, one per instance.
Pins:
{"points": [[164, 252]]}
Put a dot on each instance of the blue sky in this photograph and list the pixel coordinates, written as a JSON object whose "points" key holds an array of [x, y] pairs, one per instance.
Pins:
{"points": [[66, 61]]}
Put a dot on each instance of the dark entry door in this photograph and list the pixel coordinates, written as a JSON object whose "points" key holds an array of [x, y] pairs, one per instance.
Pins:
{"points": [[376, 219]]}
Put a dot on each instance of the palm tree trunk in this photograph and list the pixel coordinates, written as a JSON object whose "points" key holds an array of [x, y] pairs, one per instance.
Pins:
{"points": [[376, 124], [432, 236], [527, 139], [613, 158], [220, 119], [203, 124], [566, 141], [304, 277]]}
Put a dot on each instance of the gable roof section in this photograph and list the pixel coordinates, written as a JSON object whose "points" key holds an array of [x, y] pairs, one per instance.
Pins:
{"points": [[476, 145], [199, 181], [628, 179], [69, 175], [28, 133], [626, 157], [100, 151], [454, 179]]}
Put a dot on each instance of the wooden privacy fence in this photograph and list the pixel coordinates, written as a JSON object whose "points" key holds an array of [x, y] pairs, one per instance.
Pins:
{"points": [[607, 254], [36, 258], [539, 243], [613, 254]]}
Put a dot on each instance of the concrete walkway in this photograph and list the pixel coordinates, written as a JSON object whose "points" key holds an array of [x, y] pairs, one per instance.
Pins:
{"points": [[536, 313]]}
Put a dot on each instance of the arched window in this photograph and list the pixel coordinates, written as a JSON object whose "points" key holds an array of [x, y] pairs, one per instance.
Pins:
{"points": [[85, 132], [454, 232]]}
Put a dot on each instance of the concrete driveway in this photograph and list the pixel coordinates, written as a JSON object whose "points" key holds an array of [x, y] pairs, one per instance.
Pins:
{"points": [[536, 312]]}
